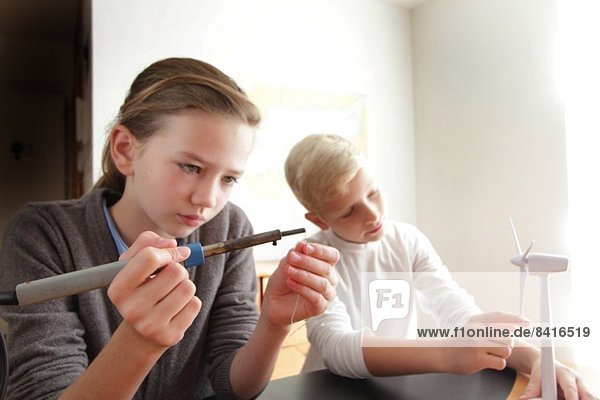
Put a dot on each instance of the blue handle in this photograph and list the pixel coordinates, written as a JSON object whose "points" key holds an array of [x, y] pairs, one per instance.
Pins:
{"points": [[197, 256]]}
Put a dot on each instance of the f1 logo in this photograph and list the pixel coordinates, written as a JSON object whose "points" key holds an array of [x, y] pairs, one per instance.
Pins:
{"points": [[388, 299]]}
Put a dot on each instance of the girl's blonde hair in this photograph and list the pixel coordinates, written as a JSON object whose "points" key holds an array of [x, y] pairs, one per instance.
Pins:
{"points": [[319, 167], [169, 87]]}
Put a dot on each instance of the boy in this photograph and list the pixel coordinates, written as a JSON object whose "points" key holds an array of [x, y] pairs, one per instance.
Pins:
{"points": [[327, 176]]}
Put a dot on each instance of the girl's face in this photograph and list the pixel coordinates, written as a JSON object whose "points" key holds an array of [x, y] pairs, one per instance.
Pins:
{"points": [[182, 175]]}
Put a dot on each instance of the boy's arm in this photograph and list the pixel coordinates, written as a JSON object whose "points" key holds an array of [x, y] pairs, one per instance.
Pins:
{"points": [[358, 354], [390, 356], [438, 294], [332, 337]]}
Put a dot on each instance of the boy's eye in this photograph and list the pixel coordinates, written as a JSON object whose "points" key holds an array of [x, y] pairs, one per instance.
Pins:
{"points": [[230, 180], [348, 214], [189, 168], [373, 193]]}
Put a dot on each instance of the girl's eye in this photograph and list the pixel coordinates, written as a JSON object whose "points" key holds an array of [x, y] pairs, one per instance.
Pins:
{"points": [[189, 168], [230, 180], [373, 193]]}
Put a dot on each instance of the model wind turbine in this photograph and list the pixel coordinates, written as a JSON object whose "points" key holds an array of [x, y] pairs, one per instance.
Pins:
{"points": [[541, 265], [523, 265]]}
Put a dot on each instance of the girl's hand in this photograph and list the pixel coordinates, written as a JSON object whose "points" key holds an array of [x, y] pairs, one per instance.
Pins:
{"points": [[159, 308], [570, 385], [304, 282]]}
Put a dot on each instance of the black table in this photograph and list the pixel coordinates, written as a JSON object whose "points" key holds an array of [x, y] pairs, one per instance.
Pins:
{"points": [[487, 384]]}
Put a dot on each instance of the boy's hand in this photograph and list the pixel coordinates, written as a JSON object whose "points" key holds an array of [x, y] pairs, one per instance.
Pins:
{"points": [[498, 319], [304, 282], [478, 356], [570, 385], [158, 308], [484, 352]]}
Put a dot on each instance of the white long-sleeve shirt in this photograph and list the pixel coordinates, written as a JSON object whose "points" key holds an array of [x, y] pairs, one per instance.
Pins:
{"points": [[335, 336]]}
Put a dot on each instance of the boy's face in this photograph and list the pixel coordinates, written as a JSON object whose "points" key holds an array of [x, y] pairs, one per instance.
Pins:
{"points": [[356, 216], [183, 175]]}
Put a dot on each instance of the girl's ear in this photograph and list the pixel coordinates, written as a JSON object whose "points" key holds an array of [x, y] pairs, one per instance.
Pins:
{"points": [[122, 143], [314, 218]]}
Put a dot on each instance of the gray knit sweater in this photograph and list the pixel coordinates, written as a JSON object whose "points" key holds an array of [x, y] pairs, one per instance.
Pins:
{"points": [[50, 344]]}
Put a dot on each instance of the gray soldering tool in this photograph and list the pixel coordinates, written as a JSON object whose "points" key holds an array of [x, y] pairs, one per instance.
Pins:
{"points": [[71, 283]]}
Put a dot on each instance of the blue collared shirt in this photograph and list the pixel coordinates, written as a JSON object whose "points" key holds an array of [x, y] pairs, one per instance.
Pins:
{"points": [[119, 242]]}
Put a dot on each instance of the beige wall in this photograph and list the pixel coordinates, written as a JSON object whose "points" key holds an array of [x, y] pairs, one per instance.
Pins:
{"points": [[484, 141], [490, 138], [358, 47]]}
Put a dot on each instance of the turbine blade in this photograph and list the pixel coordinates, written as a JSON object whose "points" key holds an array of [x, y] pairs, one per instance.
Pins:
{"points": [[524, 256], [514, 232]]}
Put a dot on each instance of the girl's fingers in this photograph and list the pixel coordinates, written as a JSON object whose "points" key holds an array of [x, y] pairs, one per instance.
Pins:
{"points": [[162, 308], [187, 314], [166, 322], [141, 266], [310, 273], [166, 280], [153, 291], [325, 253], [318, 284], [147, 239], [177, 299], [315, 298], [309, 263]]}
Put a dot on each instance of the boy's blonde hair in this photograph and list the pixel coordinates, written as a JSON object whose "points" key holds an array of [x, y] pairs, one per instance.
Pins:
{"points": [[319, 168]]}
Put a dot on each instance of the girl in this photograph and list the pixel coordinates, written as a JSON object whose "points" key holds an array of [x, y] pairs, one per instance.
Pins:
{"points": [[179, 145]]}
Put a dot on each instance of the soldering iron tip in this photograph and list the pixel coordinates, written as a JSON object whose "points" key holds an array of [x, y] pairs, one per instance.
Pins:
{"points": [[293, 232]]}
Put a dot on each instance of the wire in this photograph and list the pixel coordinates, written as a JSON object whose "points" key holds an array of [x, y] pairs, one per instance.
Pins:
{"points": [[9, 298], [3, 366], [6, 298], [296, 307], [294, 310]]}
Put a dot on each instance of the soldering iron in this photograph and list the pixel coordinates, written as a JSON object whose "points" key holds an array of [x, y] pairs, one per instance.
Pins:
{"points": [[100, 276], [71, 283]]}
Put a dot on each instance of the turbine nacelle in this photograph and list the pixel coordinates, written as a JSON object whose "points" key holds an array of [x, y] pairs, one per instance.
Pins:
{"points": [[541, 263]]}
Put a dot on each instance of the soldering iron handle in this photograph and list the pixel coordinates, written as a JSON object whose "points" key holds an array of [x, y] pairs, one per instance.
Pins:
{"points": [[68, 284], [79, 281]]}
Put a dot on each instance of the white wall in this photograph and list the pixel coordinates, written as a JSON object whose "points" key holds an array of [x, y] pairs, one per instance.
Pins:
{"points": [[488, 123], [490, 139], [332, 46], [579, 82]]}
